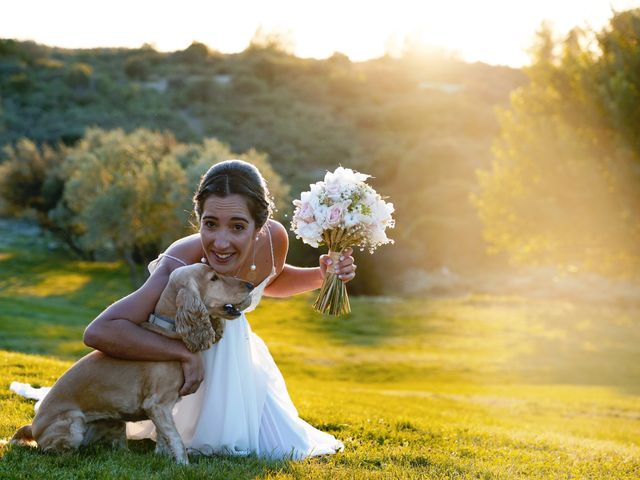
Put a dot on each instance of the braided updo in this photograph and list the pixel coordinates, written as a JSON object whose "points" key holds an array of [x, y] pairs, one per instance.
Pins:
{"points": [[235, 177]]}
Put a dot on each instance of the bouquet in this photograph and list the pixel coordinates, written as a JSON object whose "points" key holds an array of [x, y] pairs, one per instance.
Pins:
{"points": [[342, 211]]}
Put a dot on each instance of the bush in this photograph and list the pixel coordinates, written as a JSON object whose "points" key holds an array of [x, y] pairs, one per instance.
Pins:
{"points": [[79, 75], [27, 177], [200, 90], [137, 67], [20, 83], [195, 53], [248, 85]]}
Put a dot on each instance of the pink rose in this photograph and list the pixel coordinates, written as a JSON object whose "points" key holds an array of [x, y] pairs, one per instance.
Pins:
{"points": [[335, 214], [306, 212]]}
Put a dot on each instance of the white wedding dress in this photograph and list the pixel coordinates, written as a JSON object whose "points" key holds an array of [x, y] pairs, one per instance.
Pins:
{"points": [[242, 406]]}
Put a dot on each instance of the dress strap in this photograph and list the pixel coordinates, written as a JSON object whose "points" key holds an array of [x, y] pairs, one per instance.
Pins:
{"points": [[273, 259], [173, 258]]}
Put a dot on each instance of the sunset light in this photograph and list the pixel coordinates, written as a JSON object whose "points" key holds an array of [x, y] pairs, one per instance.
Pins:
{"points": [[494, 31], [402, 236]]}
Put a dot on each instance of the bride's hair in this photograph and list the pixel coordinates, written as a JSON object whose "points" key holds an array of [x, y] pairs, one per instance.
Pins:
{"points": [[236, 177]]}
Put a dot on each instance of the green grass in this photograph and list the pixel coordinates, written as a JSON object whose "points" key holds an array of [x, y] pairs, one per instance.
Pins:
{"points": [[472, 387]]}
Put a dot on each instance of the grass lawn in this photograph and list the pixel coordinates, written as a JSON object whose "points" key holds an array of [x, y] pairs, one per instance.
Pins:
{"points": [[472, 387]]}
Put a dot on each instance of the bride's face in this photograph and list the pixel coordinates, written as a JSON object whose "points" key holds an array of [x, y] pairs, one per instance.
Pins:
{"points": [[226, 230]]}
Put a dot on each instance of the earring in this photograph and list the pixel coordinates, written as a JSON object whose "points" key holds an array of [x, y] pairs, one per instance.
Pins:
{"points": [[253, 263]]}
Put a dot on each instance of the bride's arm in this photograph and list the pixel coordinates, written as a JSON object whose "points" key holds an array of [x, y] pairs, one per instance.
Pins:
{"points": [[115, 331], [293, 280]]}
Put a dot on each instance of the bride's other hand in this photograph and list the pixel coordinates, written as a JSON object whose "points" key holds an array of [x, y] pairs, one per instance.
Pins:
{"points": [[346, 268], [193, 371]]}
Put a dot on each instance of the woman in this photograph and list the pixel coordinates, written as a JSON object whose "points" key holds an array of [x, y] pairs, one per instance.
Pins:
{"points": [[235, 400]]}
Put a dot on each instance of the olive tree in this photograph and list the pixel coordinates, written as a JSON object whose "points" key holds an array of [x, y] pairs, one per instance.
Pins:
{"points": [[564, 187], [123, 195], [117, 195]]}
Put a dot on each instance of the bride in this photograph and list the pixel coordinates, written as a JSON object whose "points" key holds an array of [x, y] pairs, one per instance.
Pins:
{"points": [[235, 399]]}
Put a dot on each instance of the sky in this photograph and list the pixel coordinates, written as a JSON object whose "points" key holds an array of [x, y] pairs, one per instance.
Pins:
{"points": [[498, 32]]}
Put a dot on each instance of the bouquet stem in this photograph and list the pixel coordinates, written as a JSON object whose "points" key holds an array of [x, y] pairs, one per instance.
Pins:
{"points": [[333, 298]]}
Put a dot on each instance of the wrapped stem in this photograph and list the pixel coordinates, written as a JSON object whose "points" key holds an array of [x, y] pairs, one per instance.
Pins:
{"points": [[333, 298]]}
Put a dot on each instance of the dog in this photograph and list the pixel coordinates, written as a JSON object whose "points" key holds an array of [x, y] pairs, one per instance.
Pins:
{"points": [[94, 398]]}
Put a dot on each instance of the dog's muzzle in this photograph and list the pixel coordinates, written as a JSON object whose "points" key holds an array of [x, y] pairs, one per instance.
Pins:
{"points": [[232, 310]]}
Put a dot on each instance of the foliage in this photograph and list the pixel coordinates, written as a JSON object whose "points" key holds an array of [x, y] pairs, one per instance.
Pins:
{"points": [[79, 75], [272, 40], [117, 195], [31, 182], [122, 194], [386, 117], [533, 388], [195, 53], [564, 186], [54, 95], [619, 75], [27, 177], [137, 67], [27, 52]]}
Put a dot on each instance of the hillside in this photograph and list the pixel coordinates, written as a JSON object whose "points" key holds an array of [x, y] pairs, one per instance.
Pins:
{"points": [[420, 125]]}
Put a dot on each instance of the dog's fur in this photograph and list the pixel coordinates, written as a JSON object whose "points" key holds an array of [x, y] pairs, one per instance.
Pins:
{"points": [[96, 396]]}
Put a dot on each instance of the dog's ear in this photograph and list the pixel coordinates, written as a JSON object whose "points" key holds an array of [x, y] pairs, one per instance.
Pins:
{"points": [[218, 327], [192, 320]]}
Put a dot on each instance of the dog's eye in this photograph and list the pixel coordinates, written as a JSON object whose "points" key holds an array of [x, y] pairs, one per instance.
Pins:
{"points": [[214, 278]]}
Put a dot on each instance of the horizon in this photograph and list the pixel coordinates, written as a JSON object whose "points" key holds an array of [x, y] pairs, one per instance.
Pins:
{"points": [[457, 29]]}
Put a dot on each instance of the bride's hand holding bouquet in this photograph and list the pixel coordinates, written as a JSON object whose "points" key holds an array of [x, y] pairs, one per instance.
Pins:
{"points": [[341, 212]]}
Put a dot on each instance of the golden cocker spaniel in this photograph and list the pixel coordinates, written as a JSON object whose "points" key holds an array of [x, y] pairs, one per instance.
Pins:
{"points": [[94, 398]]}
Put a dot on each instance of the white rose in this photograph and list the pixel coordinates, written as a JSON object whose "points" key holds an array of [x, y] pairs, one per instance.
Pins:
{"points": [[333, 190], [382, 212], [310, 233], [320, 214], [346, 175]]}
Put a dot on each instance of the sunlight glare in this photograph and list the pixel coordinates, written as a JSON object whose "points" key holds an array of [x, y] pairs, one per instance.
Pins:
{"points": [[493, 31]]}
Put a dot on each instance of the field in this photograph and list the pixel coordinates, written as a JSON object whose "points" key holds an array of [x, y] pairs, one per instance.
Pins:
{"points": [[468, 387]]}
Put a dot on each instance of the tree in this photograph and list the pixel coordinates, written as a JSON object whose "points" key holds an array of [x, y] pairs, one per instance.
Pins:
{"points": [[619, 75], [116, 194], [197, 52], [123, 194], [30, 184], [26, 176], [137, 67], [79, 75], [273, 40], [564, 187]]}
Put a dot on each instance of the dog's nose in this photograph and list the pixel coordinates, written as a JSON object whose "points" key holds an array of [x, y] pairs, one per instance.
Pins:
{"points": [[231, 309], [249, 286]]}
